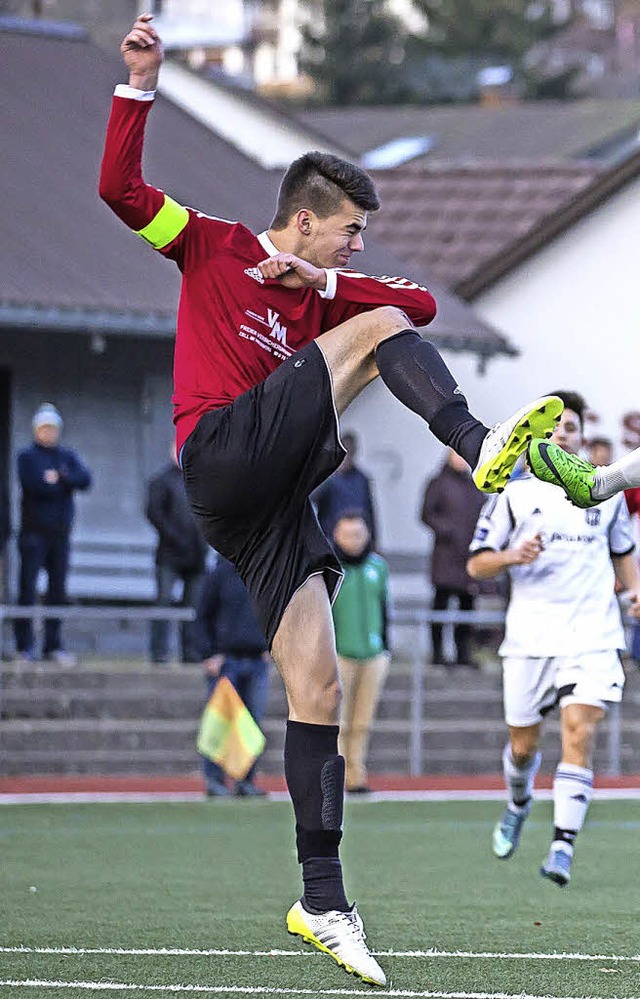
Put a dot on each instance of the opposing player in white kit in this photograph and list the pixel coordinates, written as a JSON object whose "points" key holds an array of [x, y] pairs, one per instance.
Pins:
{"points": [[563, 635]]}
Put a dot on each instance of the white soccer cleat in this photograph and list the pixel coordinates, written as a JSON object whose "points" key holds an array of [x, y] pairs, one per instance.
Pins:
{"points": [[339, 934], [505, 442]]}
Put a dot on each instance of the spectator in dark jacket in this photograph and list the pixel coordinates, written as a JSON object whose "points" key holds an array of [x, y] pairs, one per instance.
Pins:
{"points": [[450, 508], [49, 475], [233, 646], [347, 490], [180, 559]]}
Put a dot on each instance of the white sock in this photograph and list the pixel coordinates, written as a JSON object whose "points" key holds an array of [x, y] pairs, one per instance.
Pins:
{"points": [[621, 474], [519, 780], [572, 790]]}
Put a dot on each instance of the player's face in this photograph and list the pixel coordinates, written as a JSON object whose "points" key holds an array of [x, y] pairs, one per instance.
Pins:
{"points": [[333, 240], [568, 432]]}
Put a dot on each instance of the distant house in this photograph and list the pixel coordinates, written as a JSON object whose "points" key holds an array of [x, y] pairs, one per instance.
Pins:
{"points": [[87, 311]]}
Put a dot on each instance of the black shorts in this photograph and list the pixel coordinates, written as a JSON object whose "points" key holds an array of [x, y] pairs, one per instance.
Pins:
{"points": [[249, 469]]}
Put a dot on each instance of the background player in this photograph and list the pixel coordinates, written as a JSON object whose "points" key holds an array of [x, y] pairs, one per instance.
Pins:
{"points": [[274, 341], [562, 638]]}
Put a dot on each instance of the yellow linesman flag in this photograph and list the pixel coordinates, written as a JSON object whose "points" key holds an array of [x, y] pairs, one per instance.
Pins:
{"points": [[228, 734]]}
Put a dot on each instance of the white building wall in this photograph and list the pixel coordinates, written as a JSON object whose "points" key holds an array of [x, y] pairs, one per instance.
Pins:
{"points": [[574, 312]]}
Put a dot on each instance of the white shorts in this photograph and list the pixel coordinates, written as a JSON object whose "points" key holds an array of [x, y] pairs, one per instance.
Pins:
{"points": [[532, 687]]}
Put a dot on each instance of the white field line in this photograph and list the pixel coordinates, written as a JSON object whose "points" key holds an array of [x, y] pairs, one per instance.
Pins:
{"points": [[430, 953], [36, 983], [143, 797]]}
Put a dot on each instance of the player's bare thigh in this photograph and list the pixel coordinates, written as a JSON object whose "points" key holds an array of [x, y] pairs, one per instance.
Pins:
{"points": [[304, 650], [350, 350]]}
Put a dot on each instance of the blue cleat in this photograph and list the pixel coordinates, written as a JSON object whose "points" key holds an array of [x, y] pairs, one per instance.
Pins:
{"points": [[507, 832], [557, 866]]}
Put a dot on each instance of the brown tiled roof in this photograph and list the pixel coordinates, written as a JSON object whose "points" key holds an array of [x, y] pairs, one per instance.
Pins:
{"points": [[452, 221], [63, 252]]}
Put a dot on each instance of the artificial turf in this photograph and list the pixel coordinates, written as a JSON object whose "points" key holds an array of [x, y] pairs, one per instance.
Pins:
{"points": [[221, 875]]}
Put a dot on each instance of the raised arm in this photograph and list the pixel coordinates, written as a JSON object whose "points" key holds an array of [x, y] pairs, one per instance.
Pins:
{"points": [[149, 212]]}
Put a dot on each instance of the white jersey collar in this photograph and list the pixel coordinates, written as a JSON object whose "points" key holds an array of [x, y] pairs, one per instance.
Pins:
{"points": [[266, 244]]}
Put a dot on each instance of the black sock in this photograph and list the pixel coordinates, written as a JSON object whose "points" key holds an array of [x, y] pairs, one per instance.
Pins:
{"points": [[315, 777], [521, 802], [565, 835], [413, 370]]}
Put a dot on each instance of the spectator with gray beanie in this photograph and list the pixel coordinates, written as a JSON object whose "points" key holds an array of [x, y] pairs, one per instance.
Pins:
{"points": [[49, 475]]}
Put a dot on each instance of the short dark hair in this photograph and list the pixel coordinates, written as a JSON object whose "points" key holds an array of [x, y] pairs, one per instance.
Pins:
{"points": [[321, 182], [573, 401]]}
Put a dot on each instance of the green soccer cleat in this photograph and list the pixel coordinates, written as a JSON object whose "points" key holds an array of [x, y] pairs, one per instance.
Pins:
{"points": [[342, 936], [550, 463], [505, 442], [507, 831]]}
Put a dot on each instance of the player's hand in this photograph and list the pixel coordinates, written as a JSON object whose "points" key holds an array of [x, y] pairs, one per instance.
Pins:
{"points": [[293, 272], [632, 603], [51, 476], [528, 551], [142, 53]]}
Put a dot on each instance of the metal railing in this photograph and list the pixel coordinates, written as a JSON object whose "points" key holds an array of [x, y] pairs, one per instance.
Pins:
{"points": [[405, 614]]}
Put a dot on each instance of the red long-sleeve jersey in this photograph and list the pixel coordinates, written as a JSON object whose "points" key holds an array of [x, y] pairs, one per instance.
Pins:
{"points": [[233, 327]]}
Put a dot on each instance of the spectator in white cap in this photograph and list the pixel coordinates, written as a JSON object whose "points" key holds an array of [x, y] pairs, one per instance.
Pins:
{"points": [[49, 475]]}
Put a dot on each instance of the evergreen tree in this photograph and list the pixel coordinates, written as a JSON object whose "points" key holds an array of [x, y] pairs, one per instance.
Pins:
{"points": [[500, 31], [466, 36], [354, 51]]}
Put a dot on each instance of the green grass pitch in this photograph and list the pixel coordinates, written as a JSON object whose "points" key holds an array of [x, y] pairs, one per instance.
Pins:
{"points": [[221, 876]]}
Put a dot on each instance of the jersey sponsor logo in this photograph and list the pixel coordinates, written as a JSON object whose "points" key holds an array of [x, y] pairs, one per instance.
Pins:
{"points": [[481, 534], [592, 516], [392, 282], [254, 272], [272, 322]]}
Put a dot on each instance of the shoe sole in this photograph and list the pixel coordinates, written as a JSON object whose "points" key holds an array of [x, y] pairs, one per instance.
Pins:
{"points": [[537, 421], [313, 941], [558, 879]]}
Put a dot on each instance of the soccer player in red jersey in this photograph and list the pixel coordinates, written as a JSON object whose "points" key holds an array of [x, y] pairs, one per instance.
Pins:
{"points": [[275, 338]]}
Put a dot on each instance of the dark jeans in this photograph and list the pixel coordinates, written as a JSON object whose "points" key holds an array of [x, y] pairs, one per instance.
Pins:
{"points": [[49, 552], [461, 632], [250, 676], [190, 641]]}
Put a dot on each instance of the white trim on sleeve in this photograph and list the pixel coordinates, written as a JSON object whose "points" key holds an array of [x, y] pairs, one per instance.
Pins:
{"points": [[332, 284], [124, 90]]}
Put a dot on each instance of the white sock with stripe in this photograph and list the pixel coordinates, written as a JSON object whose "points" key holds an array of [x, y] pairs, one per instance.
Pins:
{"points": [[519, 780], [572, 791]]}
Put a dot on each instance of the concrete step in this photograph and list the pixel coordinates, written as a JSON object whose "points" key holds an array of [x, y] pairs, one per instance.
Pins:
{"points": [[141, 720]]}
